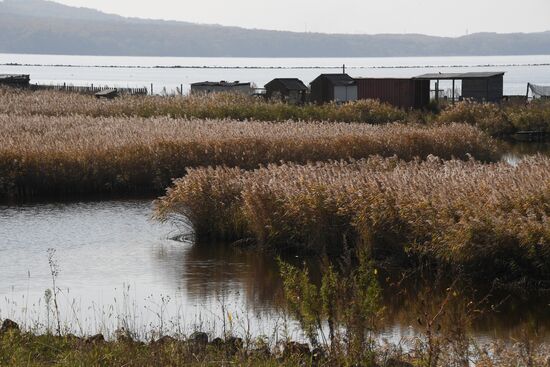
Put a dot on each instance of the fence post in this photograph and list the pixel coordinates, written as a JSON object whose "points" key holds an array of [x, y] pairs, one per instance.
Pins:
{"points": [[151, 88], [181, 89]]}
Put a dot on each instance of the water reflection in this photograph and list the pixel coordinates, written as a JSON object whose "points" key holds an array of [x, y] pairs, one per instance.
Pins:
{"points": [[207, 270], [490, 313]]}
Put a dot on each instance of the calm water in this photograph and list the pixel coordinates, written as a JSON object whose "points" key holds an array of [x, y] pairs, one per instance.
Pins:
{"points": [[142, 71], [515, 151], [114, 262], [117, 267]]}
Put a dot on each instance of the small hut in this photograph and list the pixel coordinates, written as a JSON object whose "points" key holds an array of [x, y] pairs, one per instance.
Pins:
{"points": [[291, 90], [333, 87], [221, 87]]}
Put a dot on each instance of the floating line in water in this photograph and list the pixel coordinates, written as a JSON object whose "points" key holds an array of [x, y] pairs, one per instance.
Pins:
{"points": [[272, 67]]}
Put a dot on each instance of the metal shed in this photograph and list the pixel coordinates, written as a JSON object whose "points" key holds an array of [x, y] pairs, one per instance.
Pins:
{"points": [[399, 92], [478, 86], [333, 87], [292, 90], [15, 80]]}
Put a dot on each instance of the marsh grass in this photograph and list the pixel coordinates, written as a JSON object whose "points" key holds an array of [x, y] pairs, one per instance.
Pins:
{"points": [[214, 106], [497, 120], [475, 218], [75, 155]]}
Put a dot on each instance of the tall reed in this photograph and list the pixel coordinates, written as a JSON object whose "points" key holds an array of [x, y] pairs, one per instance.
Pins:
{"points": [[77, 154], [497, 120], [215, 106], [488, 218]]}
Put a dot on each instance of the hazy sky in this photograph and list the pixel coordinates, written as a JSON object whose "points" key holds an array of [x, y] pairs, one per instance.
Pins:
{"points": [[437, 17]]}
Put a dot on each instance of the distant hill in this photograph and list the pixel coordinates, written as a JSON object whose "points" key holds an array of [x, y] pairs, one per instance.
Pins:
{"points": [[45, 27]]}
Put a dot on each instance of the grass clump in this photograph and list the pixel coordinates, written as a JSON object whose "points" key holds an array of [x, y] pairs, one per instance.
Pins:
{"points": [[499, 120], [347, 301], [487, 116], [533, 117], [72, 155], [488, 219]]}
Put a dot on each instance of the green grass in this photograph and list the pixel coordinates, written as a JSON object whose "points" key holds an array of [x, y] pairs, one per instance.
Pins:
{"points": [[440, 350]]}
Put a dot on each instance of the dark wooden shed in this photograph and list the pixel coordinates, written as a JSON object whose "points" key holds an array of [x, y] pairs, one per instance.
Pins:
{"points": [[477, 86], [333, 87], [399, 92], [15, 80], [291, 90]]}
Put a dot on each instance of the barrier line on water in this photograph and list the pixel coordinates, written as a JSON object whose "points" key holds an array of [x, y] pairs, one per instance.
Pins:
{"points": [[271, 67]]}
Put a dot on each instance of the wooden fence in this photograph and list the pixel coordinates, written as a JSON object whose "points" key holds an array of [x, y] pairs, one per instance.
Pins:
{"points": [[89, 89]]}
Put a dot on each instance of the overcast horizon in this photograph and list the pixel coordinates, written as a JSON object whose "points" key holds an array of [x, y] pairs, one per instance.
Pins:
{"points": [[430, 17]]}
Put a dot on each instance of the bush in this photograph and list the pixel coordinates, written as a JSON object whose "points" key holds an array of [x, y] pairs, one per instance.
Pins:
{"points": [[533, 117], [488, 117]]}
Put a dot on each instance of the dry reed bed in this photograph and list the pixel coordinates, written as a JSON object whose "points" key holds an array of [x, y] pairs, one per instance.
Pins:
{"points": [[214, 106], [491, 218], [76, 154], [491, 118]]}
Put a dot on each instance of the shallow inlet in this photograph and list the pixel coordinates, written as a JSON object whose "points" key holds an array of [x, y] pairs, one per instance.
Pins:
{"points": [[119, 268], [515, 150]]}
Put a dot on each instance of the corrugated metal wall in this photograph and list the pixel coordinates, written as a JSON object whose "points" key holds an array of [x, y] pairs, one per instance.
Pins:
{"points": [[404, 93]]}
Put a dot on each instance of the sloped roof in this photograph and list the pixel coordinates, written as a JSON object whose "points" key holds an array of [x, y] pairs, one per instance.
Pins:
{"points": [[449, 76], [289, 83], [338, 79], [219, 84]]}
